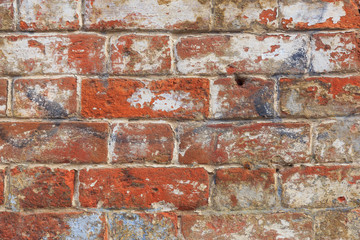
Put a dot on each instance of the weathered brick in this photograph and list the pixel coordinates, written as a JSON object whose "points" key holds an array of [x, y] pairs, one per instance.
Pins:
{"points": [[140, 54], [2, 187], [55, 142], [334, 52], [183, 98], [3, 96], [238, 188], [319, 14], [321, 186], [337, 141], [244, 15], [150, 14], [242, 97], [242, 53], [41, 54], [337, 225], [144, 188], [72, 225], [143, 226], [7, 15], [44, 98], [320, 96], [41, 187], [42, 15], [255, 143], [141, 142], [252, 227]]}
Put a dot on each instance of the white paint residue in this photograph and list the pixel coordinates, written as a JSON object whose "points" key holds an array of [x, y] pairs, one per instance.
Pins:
{"points": [[282, 230], [170, 101], [141, 97], [293, 104], [316, 12]]}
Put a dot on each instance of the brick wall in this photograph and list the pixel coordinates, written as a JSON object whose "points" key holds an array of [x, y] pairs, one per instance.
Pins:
{"points": [[179, 119]]}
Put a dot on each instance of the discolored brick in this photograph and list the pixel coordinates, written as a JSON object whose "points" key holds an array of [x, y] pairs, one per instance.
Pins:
{"points": [[7, 21], [51, 54], [149, 14], [51, 225], [320, 14], [334, 52], [244, 15], [41, 187], [180, 98], [141, 142], [55, 142], [320, 186], [2, 186], [316, 97], [254, 143], [238, 188], [44, 98], [242, 53], [140, 54], [43, 15], [337, 141], [3, 96], [252, 227], [242, 98], [143, 226], [144, 188]]}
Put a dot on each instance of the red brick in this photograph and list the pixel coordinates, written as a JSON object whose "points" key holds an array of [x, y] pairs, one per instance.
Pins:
{"points": [[140, 54], [150, 14], [141, 142], [319, 14], [44, 98], [7, 15], [252, 227], [242, 97], [337, 225], [244, 15], [41, 187], [242, 53], [3, 96], [183, 98], [320, 186], [72, 225], [71, 142], [334, 52], [320, 96], [42, 15], [143, 226], [50, 54], [238, 188], [144, 188], [254, 143], [337, 141]]}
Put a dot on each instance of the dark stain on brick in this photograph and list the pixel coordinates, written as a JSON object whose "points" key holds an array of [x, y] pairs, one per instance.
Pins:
{"points": [[54, 109], [262, 106]]}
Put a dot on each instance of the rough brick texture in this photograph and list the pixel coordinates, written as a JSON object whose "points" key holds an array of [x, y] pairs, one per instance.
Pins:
{"points": [[184, 98], [53, 142], [253, 144], [180, 119], [157, 188], [44, 98]]}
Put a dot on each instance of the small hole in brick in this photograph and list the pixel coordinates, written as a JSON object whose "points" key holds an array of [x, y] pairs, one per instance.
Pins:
{"points": [[359, 10], [240, 80], [247, 166], [155, 189]]}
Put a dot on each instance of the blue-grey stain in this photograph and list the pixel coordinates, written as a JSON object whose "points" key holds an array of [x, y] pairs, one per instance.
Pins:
{"points": [[53, 109], [134, 227], [296, 136], [85, 227], [261, 103], [297, 61]]}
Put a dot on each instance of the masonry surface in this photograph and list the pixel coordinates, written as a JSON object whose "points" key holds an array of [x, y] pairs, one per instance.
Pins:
{"points": [[180, 119]]}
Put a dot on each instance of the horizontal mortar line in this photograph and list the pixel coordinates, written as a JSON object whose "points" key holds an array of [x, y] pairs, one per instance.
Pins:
{"points": [[179, 75], [179, 32], [308, 211], [179, 121], [209, 167]]}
